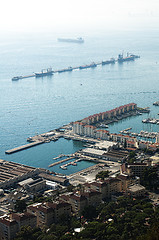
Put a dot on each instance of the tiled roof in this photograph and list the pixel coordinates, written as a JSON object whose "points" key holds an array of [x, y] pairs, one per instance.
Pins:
{"points": [[8, 222]]}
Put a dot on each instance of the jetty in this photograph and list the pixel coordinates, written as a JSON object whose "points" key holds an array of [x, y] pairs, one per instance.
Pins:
{"points": [[23, 147], [70, 69], [126, 131], [60, 156], [61, 161]]}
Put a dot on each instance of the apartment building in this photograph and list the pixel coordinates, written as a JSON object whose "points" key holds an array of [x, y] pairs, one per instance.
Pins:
{"points": [[84, 126], [49, 212], [122, 138], [80, 199], [94, 198], [136, 190], [106, 187], [78, 203], [12, 223], [102, 134], [99, 186], [110, 114], [135, 169], [24, 219], [126, 181], [8, 228]]}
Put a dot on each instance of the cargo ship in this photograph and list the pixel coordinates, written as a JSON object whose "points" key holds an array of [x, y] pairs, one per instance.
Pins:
{"points": [[71, 40], [92, 65], [65, 70], [112, 60], [125, 59], [44, 72]]}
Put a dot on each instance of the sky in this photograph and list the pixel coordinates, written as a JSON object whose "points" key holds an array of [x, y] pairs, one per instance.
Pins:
{"points": [[41, 15]]}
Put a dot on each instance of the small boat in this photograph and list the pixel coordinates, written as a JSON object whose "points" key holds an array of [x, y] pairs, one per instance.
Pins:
{"points": [[63, 167], [74, 164], [103, 126], [156, 103]]}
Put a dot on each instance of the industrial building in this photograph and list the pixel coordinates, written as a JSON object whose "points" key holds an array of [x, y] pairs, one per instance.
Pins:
{"points": [[12, 173]]}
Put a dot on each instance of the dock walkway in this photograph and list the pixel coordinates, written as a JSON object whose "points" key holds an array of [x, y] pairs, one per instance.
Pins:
{"points": [[61, 161], [23, 147]]}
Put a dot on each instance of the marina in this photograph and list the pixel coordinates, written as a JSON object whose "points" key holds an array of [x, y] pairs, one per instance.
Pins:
{"points": [[151, 120], [77, 157], [73, 163], [49, 71], [67, 131], [142, 134]]}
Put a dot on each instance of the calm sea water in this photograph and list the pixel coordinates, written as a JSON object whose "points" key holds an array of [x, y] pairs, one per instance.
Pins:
{"points": [[32, 106]]}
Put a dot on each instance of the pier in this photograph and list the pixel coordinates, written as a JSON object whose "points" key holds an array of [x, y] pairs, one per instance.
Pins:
{"points": [[70, 69], [23, 147], [61, 161], [126, 131]]}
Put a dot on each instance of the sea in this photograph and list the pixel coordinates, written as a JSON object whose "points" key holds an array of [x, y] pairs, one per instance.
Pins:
{"points": [[37, 105]]}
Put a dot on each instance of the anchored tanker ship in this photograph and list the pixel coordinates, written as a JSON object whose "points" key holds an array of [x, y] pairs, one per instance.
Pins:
{"points": [[127, 58], [44, 72], [74, 40]]}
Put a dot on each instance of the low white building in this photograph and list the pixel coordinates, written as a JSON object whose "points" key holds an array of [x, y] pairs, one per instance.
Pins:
{"points": [[106, 145], [51, 185], [92, 152]]}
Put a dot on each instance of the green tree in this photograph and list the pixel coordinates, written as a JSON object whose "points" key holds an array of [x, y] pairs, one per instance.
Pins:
{"points": [[20, 205], [27, 232], [89, 212], [150, 179], [70, 188], [102, 174], [132, 157]]}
